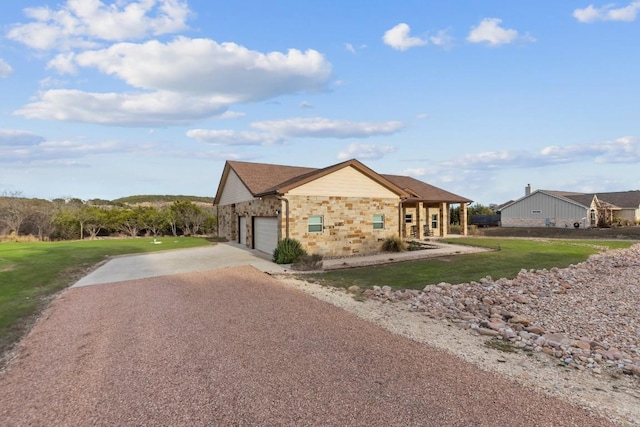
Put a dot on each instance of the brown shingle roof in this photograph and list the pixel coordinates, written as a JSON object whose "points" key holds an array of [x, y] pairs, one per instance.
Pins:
{"points": [[264, 178], [426, 192], [622, 199]]}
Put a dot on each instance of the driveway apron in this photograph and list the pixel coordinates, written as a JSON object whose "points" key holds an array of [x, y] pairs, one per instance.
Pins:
{"points": [[235, 346]]}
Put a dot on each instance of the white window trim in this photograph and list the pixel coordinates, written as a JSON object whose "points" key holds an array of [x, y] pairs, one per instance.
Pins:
{"points": [[378, 222], [310, 224]]}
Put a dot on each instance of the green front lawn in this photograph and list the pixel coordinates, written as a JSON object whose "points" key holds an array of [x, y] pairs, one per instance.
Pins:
{"points": [[31, 272], [511, 256]]}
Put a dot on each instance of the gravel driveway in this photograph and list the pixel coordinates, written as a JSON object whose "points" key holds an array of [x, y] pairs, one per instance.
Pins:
{"points": [[237, 347]]}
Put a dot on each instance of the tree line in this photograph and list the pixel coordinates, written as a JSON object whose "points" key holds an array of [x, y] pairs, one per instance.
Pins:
{"points": [[71, 219]]}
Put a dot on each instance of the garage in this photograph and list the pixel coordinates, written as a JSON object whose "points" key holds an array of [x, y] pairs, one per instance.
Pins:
{"points": [[265, 235]]}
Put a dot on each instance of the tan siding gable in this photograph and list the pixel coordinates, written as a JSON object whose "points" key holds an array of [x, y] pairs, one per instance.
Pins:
{"points": [[346, 182], [234, 190]]}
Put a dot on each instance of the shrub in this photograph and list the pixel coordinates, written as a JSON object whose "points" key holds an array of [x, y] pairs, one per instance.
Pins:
{"points": [[308, 263], [455, 229], [393, 244], [288, 251]]}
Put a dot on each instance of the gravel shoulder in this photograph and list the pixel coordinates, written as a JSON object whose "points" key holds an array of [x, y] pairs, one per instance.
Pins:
{"points": [[595, 301], [237, 347]]}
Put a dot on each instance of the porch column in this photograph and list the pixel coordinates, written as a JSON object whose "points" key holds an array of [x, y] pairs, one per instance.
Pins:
{"points": [[403, 226], [463, 218], [420, 228], [444, 219]]}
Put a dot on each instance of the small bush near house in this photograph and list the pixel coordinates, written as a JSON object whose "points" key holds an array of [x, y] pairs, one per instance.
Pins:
{"points": [[308, 263], [288, 251], [393, 244]]}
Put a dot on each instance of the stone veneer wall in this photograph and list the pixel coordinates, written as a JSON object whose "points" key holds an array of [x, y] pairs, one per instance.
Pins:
{"points": [[348, 223], [228, 217]]}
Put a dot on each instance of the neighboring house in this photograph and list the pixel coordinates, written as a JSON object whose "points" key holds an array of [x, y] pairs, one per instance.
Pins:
{"points": [[546, 208], [344, 209]]}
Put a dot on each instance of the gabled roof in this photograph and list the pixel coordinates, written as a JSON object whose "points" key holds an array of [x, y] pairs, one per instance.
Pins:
{"points": [[263, 179], [421, 191], [318, 173], [622, 199], [562, 195], [581, 198]]}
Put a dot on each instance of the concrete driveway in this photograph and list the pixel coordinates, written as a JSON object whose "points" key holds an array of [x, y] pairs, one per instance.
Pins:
{"points": [[221, 255]]}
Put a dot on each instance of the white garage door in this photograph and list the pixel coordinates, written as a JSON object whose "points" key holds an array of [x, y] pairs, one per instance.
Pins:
{"points": [[265, 233]]}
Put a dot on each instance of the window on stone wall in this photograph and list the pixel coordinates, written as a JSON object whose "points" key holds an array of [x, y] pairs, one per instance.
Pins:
{"points": [[378, 222], [316, 224], [434, 221], [408, 218]]}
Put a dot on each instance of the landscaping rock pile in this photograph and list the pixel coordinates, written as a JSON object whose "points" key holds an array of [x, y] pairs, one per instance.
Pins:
{"points": [[586, 315]]}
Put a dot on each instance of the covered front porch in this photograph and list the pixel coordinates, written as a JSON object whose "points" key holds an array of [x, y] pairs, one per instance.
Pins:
{"points": [[421, 219]]}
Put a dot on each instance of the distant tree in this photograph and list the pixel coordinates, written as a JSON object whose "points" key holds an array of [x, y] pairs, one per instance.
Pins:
{"points": [[154, 220], [475, 209], [99, 202], [95, 220], [605, 214], [210, 224], [480, 209], [187, 216], [66, 222], [42, 219], [14, 211], [129, 221]]}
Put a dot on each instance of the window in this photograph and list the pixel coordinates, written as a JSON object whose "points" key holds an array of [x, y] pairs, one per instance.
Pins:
{"points": [[378, 222], [536, 211], [315, 224], [408, 218], [434, 221]]}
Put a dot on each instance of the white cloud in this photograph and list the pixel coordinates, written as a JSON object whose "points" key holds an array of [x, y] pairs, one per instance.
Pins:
{"points": [[232, 114], [366, 151], [306, 104], [27, 148], [231, 137], [230, 71], [608, 13], [16, 137], [489, 31], [350, 47], [83, 23], [5, 68], [442, 39], [325, 128], [139, 109], [620, 150], [398, 38], [180, 81]]}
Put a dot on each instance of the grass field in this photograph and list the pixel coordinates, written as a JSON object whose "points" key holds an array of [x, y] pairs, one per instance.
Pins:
{"points": [[510, 257], [31, 272]]}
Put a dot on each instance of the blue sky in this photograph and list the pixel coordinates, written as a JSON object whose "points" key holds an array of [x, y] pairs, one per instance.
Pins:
{"points": [[102, 99]]}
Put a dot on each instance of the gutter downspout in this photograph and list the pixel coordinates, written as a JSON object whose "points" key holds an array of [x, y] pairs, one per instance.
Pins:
{"points": [[286, 210], [400, 222]]}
